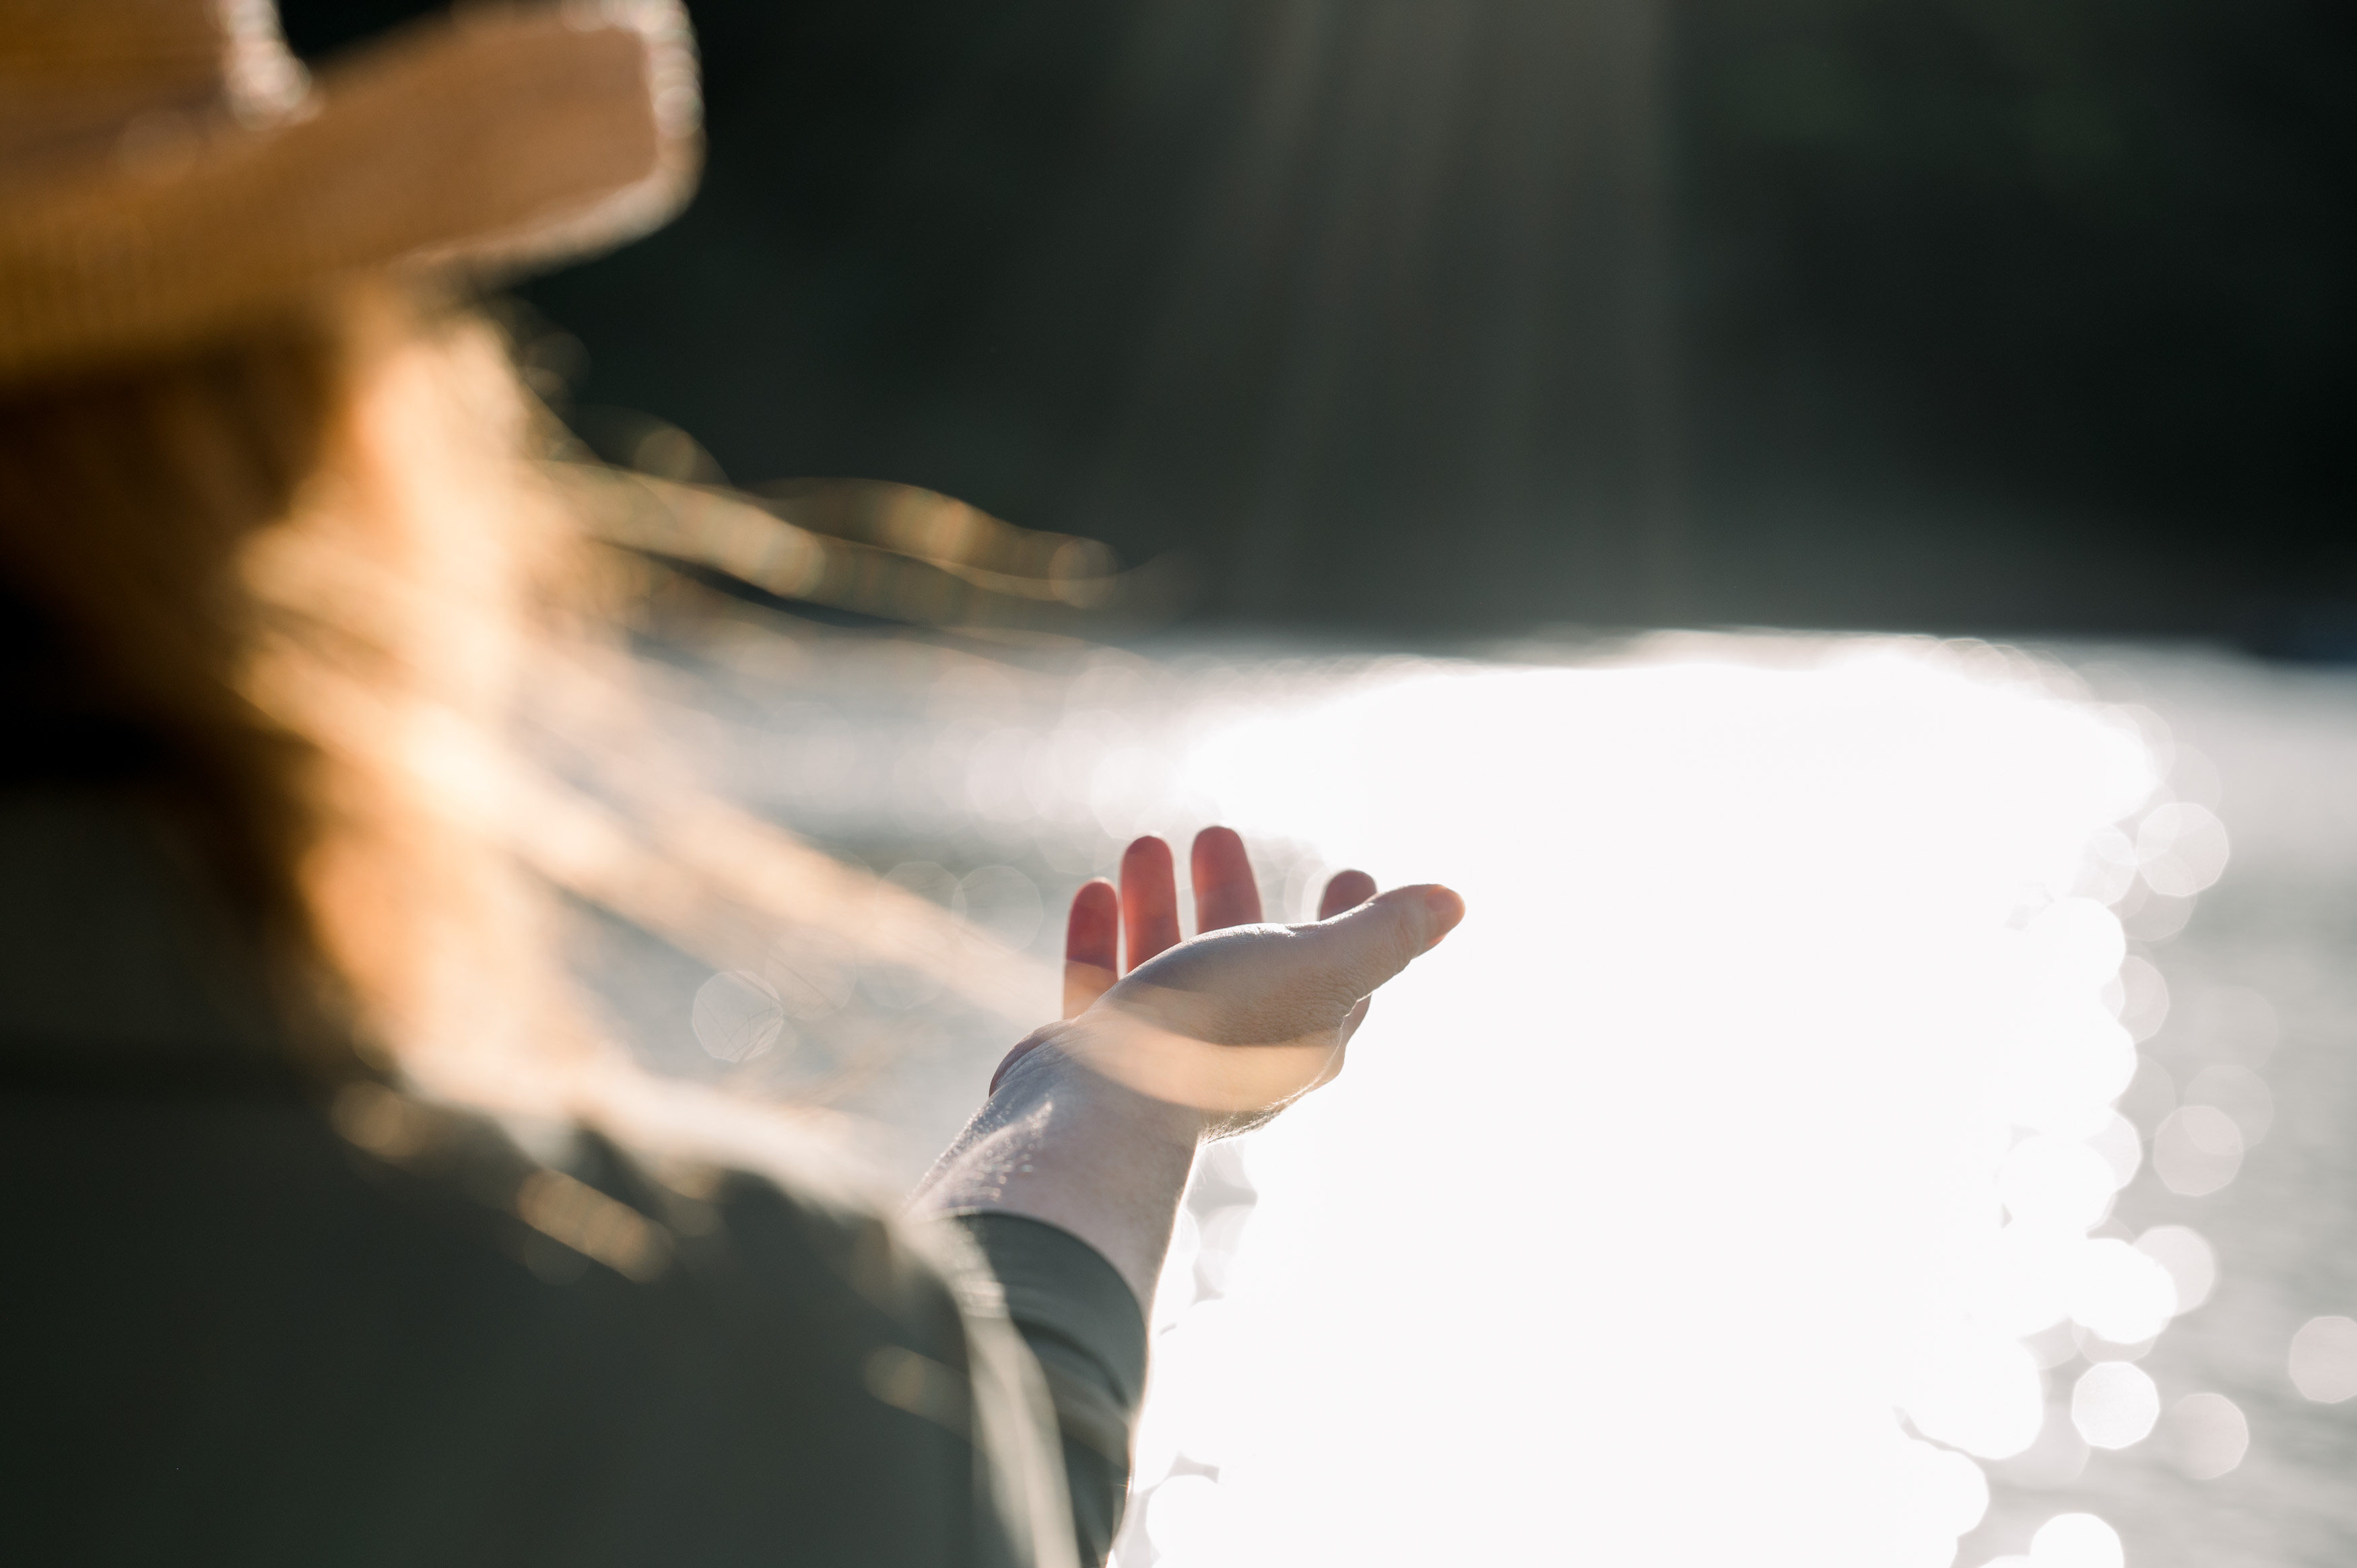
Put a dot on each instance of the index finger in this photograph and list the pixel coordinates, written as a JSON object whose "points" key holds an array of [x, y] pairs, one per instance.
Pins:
{"points": [[1092, 945]]}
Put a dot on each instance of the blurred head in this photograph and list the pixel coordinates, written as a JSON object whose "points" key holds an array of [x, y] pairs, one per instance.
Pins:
{"points": [[272, 560], [260, 587]]}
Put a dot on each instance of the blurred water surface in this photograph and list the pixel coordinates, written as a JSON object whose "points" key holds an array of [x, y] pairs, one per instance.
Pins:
{"points": [[1887, 1105]]}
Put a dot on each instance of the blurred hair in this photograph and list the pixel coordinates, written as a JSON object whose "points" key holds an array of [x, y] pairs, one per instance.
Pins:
{"points": [[315, 598], [281, 591]]}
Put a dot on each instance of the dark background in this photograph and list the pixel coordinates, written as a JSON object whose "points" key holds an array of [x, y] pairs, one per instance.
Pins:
{"points": [[1423, 317]]}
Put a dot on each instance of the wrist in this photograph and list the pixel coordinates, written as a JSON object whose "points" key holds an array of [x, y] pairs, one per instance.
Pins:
{"points": [[1061, 1143]]}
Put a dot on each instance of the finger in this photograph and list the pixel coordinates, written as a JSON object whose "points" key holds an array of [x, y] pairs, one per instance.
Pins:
{"points": [[1092, 945], [1149, 899], [1345, 890], [1375, 941], [1225, 893]]}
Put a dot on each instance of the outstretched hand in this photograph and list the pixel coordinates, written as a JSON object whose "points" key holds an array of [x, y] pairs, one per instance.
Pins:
{"points": [[1092, 1124], [1289, 996]]}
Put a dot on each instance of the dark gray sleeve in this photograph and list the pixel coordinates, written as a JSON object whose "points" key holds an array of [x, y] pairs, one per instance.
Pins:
{"points": [[1088, 1334]]}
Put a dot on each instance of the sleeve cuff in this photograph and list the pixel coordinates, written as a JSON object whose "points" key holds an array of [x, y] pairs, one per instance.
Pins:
{"points": [[1088, 1333]]}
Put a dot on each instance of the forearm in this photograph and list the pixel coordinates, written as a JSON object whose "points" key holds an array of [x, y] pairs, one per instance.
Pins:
{"points": [[1060, 1143]]}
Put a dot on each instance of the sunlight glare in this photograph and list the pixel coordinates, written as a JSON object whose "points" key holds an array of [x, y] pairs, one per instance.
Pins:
{"points": [[1762, 1102]]}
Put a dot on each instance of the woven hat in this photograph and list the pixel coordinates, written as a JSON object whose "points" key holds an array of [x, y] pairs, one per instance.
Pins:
{"points": [[167, 169]]}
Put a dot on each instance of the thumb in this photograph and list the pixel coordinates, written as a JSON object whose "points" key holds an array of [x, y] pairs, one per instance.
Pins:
{"points": [[1368, 945]]}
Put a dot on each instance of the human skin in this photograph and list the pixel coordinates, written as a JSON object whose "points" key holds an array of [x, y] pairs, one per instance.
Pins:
{"points": [[1092, 1124]]}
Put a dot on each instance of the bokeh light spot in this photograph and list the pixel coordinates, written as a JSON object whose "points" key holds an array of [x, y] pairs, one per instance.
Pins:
{"points": [[2208, 1434], [1001, 902], [2196, 1150], [2324, 1359], [2115, 1403], [2181, 848], [2241, 1094], [2076, 1540], [737, 1016], [2124, 1295], [2191, 1263]]}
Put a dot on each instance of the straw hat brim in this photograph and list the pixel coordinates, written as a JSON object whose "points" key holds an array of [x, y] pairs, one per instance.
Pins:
{"points": [[494, 141]]}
